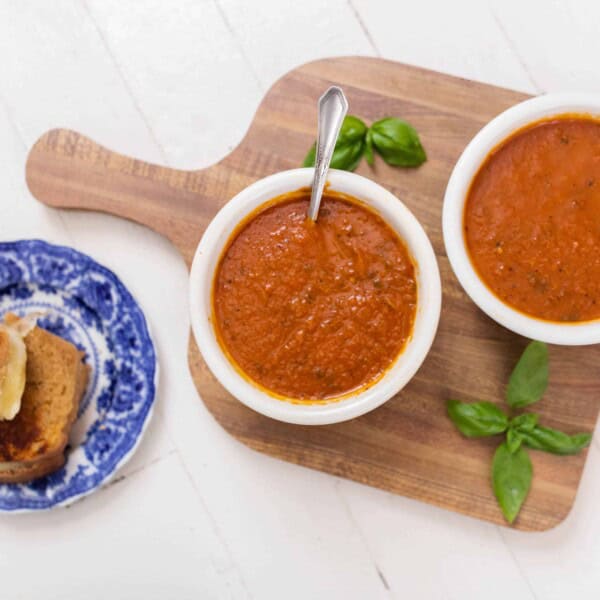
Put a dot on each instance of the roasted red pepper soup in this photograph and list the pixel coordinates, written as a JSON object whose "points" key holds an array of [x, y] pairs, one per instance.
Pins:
{"points": [[532, 219], [313, 311]]}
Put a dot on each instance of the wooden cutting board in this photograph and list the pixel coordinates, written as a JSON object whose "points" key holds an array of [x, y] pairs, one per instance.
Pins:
{"points": [[408, 446]]}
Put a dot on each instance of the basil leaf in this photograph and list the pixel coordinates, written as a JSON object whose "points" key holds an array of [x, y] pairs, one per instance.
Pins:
{"points": [[529, 378], [511, 477], [513, 440], [369, 148], [554, 441], [397, 142], [524, 422], [477, 419], [311, 156], [349, 148]]}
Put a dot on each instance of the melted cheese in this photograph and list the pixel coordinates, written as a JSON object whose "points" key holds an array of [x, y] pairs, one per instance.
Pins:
{"points": [[12, 371]]}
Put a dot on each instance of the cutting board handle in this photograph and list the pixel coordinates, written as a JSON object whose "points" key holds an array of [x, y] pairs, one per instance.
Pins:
{"points": [[68, 170]]}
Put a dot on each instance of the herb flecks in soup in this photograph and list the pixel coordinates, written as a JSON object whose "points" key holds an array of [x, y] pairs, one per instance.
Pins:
{"points": [[532, 220], [312, 311]]}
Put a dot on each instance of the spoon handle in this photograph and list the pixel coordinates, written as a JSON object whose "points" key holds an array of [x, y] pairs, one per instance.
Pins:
{"points": [[333, 107]]}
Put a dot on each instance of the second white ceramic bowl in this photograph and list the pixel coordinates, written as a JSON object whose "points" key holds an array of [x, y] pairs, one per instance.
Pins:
{"points": [[497, 130], [206, 260]]}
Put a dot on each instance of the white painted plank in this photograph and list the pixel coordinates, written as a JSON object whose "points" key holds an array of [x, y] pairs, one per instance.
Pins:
{"points": [[557, 41], [424, 552], [20, 215], [565, 562], [277, 36], [144, 537], [62, 75], [55, 72], [185, 72], [461, 38]]}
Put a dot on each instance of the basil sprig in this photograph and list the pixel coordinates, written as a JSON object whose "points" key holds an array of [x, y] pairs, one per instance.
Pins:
{"points": [[397, 142], [514, 439], [511, 468], [394, 139], [554, 441], [529, 379], [525, 422], [511, 478], [349, 148], [477, 419]]}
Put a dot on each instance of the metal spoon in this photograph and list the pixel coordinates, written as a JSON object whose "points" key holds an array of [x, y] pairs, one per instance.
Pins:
{"points": [[333, 107]]}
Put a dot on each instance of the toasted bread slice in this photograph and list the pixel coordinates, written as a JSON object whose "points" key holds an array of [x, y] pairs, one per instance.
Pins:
{"points": [[33, 443]]}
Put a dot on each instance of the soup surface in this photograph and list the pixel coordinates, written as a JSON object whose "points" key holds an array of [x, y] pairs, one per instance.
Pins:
{"points": [[532, 219], [312, 311]]}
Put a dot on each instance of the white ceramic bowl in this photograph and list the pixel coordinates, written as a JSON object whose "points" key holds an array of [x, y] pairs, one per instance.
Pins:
{"points": [[428, 308], [497, 130]]}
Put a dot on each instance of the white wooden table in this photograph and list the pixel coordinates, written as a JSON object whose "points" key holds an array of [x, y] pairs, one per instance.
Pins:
{"points": [[195, 514]]}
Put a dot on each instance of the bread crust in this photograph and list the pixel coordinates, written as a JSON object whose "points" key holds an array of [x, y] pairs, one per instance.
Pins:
{"points": [[24, 472]]}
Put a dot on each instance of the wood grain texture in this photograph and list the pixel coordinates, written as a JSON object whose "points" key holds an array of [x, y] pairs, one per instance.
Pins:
{"points": [[408, 446]]}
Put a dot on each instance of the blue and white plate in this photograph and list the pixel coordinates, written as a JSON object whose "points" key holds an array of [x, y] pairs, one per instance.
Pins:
{"points": [[87, 304]]}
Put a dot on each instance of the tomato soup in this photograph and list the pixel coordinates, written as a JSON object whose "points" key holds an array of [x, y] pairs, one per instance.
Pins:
{"points": [[313, 311], [532, 219]]}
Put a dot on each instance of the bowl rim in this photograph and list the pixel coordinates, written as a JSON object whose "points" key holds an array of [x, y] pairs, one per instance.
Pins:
{"points": [[492, 134], [206, 258]]}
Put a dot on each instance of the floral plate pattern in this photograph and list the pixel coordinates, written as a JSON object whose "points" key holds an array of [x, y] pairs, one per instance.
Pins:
{"points": [[87, 304]]}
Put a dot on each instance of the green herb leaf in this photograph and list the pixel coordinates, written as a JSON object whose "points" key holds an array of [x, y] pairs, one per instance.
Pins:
{"points": [[349, 148], [529, 378], [554, 441], [397, 142], [524, 422], [311, 156], [511, 477], [513, 440], [477, 419], [369, 148]]}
